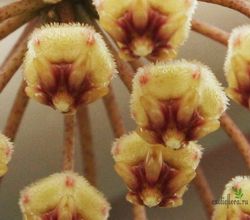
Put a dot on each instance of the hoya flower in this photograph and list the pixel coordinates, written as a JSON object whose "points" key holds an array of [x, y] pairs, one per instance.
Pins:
{"points": [[146, 28], [6, 149], [237, 66], [173, 103], [63, 196], [155, 175], [67, 65], [234, 204]]}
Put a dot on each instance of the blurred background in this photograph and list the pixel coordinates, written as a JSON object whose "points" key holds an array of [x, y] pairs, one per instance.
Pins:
{"points": [[38, 146]]}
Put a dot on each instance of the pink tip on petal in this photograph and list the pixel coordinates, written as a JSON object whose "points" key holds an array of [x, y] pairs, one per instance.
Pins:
{"points": [[90, 39], [144, 79], [196, 74], [26, 199], [69, 182]]}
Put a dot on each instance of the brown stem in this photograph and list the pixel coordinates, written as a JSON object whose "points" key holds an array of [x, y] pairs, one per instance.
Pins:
{"points": [[204, 191], [11, 24], [16, 113], [15, 57], [68, 152], [139, 212], [242, 6], [113, 112], [20, 7], [237, 136], [210, 31], [65, 10], [88, 155]]}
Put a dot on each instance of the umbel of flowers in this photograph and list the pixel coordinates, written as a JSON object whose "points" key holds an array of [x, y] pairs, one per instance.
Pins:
{"points": [[173, 104]]}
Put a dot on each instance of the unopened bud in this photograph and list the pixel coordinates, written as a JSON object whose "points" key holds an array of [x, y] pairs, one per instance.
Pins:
{"points": [[67, 65], [176, 102], [146, 28], [63, 196], [237, 66], [155, 175]]}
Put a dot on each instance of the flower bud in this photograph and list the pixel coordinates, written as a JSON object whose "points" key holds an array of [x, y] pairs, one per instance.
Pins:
{"points": [[67, 65], [63, 196], [155, 175], [234, 204], [173, 103], [6, 150], [237, 66], [147, 28]]}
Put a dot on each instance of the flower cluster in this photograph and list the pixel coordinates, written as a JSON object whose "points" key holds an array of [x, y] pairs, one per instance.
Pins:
{"points": [[154, 174], [173, 104], [237, 205], [63, 196], [6, 149], [67, 65], [237, 66], [146, 28]]}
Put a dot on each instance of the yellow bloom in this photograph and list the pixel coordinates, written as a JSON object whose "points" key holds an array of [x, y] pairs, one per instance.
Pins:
{"points": [[63, 196], [6, 149], [235, 203], [155, 175], [237, 66], [67, 65], [173, 103], [147, 28]]}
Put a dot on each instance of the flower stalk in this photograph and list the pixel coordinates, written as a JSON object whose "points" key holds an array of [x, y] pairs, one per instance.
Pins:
{"points": [[68, 150], [210, 31], [85, 135], [20, 7], [204, 190], [11, 24], [16, 113], [242, 6], [15, 58]]}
